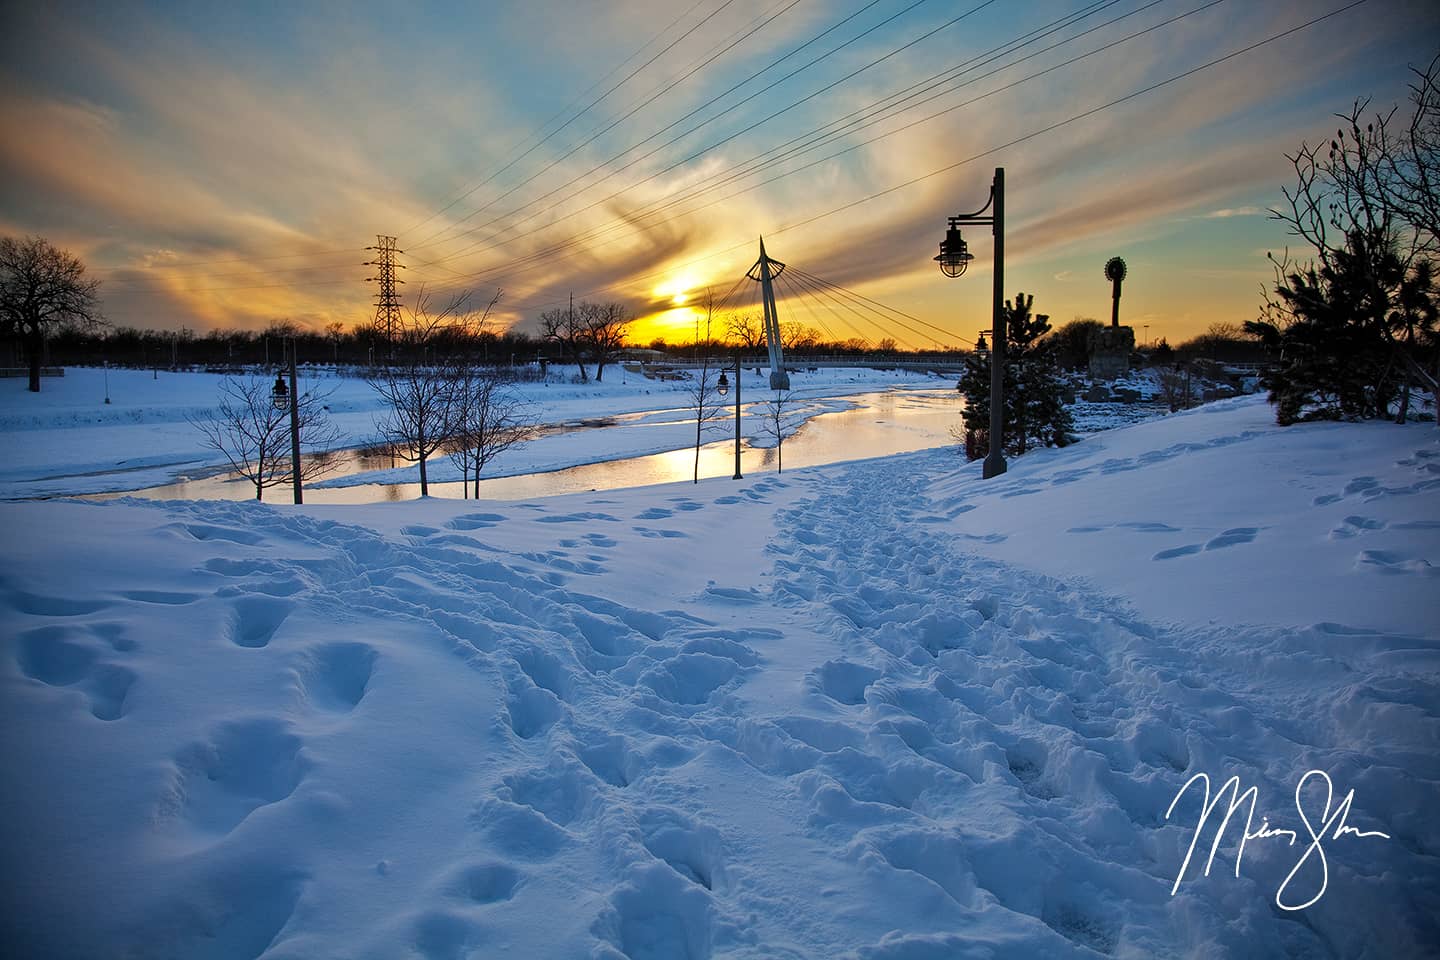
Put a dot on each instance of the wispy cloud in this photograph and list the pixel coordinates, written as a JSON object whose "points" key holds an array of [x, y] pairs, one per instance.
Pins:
{"points": [[1225, 213]]}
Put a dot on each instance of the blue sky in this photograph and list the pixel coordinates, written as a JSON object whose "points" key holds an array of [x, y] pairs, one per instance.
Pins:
{"points": [[224, 165]]}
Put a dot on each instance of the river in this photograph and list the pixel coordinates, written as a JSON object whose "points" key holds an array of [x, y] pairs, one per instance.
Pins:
{"points": [[880, 424]]}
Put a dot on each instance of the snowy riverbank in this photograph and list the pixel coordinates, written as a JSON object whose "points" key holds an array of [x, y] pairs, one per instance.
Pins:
{"points": [[872, 710], [66, 441]]}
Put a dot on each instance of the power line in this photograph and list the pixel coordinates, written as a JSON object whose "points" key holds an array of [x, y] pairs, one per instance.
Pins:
{"points": [[877, 304], [671, 202], [430, 241], [568, 107], [633, 219], [281, 256], [766, 160], [942, 170], [710, 102], [1022, 139]]}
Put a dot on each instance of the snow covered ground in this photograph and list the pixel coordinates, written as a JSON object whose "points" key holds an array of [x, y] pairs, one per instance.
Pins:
{"points": [[66, 441], [873, 710]]}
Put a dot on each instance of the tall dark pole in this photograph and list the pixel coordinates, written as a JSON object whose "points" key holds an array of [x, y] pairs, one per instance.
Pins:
{"points": [[954, 258], [294, 426], [995, 461], [737, 417]]}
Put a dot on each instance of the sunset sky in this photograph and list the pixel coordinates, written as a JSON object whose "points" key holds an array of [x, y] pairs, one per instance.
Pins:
{"points": [[223, 165]]}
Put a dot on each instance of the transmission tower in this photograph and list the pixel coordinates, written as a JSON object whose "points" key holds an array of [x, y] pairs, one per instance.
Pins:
{"points": [[387, 301]]}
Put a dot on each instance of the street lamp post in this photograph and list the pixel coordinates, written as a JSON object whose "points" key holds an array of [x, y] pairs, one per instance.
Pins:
{"points": [[290, 397], [953, 259], [723, 387]]}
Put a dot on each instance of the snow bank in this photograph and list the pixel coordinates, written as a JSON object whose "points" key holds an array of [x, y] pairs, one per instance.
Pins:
{"points": [[873, 710]]}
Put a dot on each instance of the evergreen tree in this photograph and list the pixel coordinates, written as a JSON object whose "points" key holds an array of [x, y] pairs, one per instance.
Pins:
{"points": [[1338, 328], [1035, 416]]}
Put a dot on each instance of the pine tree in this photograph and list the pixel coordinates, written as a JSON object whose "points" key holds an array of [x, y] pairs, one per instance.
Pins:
{"points": [[1035, 415], [1338, 327]]}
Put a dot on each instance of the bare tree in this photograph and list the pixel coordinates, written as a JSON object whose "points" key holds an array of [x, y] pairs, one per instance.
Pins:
{"points": [[41, 288], [561, 326], [486, 419], [1175, 387], [745, 331], [779, 420], [335, 333], [417, 419], [417, 390], [798, 337], [1411, 178], [703, 391], [603, 327], [253, 435]]}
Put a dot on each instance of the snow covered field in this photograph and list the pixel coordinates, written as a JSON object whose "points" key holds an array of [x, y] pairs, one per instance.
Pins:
{"points": [[871, 710], [66, 441]]}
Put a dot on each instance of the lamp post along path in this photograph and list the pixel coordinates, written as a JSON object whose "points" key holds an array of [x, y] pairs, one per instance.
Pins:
{"points": [[954, 258], [723, 388], [294, 427]]}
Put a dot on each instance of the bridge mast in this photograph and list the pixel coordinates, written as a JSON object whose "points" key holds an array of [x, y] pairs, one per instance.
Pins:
{"points": [[764, 271]]}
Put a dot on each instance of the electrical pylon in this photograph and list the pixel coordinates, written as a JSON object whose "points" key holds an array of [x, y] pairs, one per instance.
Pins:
{"points": [[387, 301]]}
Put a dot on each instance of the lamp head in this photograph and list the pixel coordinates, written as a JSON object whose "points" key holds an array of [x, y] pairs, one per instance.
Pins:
{"points": [[954, 254], [723, 387]]}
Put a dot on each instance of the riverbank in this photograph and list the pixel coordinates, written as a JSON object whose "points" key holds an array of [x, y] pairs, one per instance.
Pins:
{"points": [[67, 441]]}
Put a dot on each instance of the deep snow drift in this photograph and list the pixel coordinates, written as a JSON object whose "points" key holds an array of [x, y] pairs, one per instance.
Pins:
{"points": [[873, 710]]}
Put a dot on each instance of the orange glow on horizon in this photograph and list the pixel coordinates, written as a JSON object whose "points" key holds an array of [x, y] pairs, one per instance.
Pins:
{"points": [[675, 326]]}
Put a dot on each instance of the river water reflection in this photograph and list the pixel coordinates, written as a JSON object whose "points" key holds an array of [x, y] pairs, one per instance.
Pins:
{"points": [[884, 423]]}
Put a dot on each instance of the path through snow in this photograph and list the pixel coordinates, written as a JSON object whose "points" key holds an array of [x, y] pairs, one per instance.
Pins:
{"points": [[645, 725]]}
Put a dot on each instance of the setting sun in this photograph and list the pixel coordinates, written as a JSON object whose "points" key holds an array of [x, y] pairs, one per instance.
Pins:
{"points": [[679, 289]]}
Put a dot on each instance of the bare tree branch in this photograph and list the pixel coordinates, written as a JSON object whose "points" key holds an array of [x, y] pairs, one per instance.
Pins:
{"points": [[253, 435]]}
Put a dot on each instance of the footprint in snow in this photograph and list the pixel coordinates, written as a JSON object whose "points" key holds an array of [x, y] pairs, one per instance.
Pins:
{"points": [[243, 765], [690, 849], [1395, 562], [561, 794], [60, 656], [1232, 537], [657, 915], [1227, 538], [487, 882], [475, 521], [1354, 526], [336, 676], [660, 534], [37, 605], [843, 681], [578, 518], [163, 597], [205, 531], [255, 619]]}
